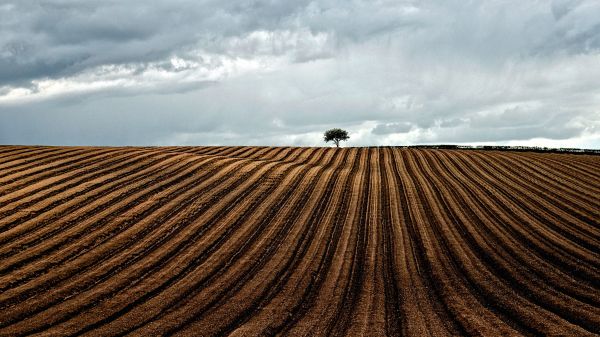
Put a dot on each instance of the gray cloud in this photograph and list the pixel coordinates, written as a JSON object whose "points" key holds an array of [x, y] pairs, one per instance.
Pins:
{"points": [[59, 38], [387, 128], [279, 72]]}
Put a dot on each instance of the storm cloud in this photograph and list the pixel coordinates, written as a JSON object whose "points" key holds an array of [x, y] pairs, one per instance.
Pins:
{"points": [[281, 72]]}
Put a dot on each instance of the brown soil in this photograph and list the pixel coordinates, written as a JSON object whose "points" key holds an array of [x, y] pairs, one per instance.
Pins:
{"points": [[247, 241]]}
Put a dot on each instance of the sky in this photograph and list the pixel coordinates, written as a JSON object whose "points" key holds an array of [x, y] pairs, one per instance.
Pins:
{"points": [[391, 72]]}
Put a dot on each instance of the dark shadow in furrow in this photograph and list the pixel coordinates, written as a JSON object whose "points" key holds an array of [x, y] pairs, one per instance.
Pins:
{"points": [[98, 208], [265, 256], [352, 291], [185, 244], [393, 306], [27, 159], [556, 199], [152, 209], [490, 258], [66, 156], [43, 173], [572, 262], [114, 269], [111, 165], [309, 295], [458, 269], [453, 325], [492, 235]]}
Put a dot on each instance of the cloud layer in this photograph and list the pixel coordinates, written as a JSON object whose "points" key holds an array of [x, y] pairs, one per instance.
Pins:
{"points": [[281, 72]]}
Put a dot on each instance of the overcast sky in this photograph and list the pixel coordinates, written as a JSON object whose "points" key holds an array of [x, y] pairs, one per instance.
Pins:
{"points": [[392, 72]]}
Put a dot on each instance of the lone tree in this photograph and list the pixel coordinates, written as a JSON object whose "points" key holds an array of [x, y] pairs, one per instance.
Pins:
{"points": [[336, 135]]}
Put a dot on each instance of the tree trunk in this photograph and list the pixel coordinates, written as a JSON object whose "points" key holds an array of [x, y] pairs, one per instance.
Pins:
{"points": [[337, 143]]}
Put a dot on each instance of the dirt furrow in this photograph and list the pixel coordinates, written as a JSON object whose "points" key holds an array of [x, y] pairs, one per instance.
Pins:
{"points": [[289, 264], [25, 234], [188, 267], [313, 314], [215, 244], [95, 278], [422, 309], [233, 280], [84, 238], [574, 167], [33, 158], [122, 266], [563, 181], [545, 298], [10, 151], [535, 243], [490, 222], [288, 241], [579, 215], [27, 197], [24, 155], [22, 179], [344, 313], [538, 228], [460, 295], [97, 222]]}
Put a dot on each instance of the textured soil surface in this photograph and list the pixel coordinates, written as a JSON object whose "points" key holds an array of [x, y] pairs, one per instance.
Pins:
{"points": [[247, 241]]}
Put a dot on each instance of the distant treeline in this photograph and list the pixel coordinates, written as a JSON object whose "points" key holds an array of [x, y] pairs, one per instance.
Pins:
{"points": [[508, 148]]}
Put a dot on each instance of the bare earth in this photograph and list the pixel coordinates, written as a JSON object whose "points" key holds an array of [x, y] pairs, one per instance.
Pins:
{"points": [[247, 241]]}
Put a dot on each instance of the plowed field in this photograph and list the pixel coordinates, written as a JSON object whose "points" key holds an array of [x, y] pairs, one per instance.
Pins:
{"points": [[248, 241]]}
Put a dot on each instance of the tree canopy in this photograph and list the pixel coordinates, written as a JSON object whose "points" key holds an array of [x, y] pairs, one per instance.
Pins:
{"points": [[336, 135]]}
